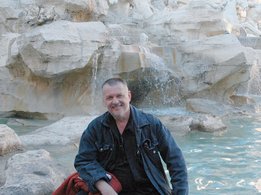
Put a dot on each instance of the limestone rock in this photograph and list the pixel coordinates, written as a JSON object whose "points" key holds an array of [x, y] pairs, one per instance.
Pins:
{"points": [[141, 9], [223, 67], [197, 20], [207, 123], [178, 125], [56, 54], [9, 141], [8, 19], [30, 173], [6, 44], [38, 15], [207, 106], [90, 10], [181, 125], [63, 132], [61, 46]]}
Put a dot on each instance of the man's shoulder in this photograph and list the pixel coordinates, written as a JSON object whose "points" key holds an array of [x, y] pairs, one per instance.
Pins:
{"points": [[95, 125], [99, 119], [144, 116]]}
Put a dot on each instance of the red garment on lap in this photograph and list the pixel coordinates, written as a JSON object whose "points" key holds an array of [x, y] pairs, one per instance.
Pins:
{"points": [[74, 184]]}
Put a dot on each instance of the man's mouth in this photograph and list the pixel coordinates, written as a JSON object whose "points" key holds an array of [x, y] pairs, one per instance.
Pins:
{"points": [[115, 106]]}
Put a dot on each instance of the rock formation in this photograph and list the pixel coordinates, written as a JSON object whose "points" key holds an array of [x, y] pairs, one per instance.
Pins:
{"points": [[9, 141], [56, 54], [37, 176]]}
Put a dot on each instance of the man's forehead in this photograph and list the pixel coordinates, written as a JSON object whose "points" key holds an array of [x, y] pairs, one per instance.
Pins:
{"points": [[116, 85]]}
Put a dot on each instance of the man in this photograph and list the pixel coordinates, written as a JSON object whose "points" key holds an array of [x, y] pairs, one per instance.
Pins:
{"points": [[129, 144]]}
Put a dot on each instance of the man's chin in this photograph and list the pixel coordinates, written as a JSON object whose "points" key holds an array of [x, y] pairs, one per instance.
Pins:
{"points": [[118, 116]]}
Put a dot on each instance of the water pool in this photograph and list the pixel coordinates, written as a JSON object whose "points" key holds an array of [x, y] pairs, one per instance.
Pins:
{"points": [[227, 163]]}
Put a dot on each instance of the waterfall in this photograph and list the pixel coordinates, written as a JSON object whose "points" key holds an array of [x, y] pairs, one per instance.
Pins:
{"points": [[254, 84], [157, 81], [94, 77]]}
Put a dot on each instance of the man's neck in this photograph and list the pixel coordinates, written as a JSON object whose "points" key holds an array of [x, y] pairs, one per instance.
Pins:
{"points": [[122, 122], [121, 126]]}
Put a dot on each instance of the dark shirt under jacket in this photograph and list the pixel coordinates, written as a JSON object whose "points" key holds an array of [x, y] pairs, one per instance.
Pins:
{"points": [[128, 163]]}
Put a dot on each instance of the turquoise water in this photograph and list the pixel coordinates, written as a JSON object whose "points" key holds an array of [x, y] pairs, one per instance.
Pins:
{"points": [[24, 126], [228, 163]]}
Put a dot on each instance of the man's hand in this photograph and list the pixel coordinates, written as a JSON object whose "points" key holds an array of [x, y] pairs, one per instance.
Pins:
{"points": [[105, 188]]}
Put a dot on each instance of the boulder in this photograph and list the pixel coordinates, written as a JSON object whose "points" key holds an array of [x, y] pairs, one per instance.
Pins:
{"points": [[181, 125], [60, 47], [66, 131], [30, 173], [207, 123], [8, 18], [9, 141], [6, 43], [207, 106], [86, 10]]}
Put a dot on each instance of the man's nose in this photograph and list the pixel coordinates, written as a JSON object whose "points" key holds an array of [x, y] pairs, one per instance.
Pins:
{"points": [[115, 100]]}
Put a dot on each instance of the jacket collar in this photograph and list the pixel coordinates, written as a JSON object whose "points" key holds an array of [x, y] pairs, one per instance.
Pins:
{"points": [[139, 118]]}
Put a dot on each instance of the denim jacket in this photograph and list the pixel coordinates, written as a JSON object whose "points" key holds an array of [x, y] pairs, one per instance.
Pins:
{"points": [[154, 142]]}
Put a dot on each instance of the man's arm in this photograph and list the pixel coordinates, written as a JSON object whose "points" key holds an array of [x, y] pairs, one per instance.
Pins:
{"points": [[105, 188], [173, 157], [86, 164]]}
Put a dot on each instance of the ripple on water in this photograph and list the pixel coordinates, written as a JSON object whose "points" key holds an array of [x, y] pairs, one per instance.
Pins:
{"points": [[224, 164]]}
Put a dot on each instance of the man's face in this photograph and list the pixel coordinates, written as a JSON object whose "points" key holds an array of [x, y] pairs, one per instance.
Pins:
{"points": [[117, 98]]}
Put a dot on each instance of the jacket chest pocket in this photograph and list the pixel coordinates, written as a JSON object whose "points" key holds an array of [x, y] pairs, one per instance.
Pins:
{"points": [[104, 152], [151, 150]]}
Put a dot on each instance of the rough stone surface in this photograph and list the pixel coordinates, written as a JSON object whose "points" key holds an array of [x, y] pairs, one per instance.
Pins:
{"points": [[60, 47], [207, 123], [207, 106], [63, 132], [56, 54], [9, 141], [181, 125], [31, 173]]}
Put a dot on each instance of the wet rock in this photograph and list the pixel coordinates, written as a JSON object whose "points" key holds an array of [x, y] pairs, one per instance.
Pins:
{"points": [[181, 125], [207, 123], [9, 141]]}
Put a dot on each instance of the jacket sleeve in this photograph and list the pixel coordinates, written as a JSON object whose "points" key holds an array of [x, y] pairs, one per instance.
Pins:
{"points": [[173, 157], [86, 161]]}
